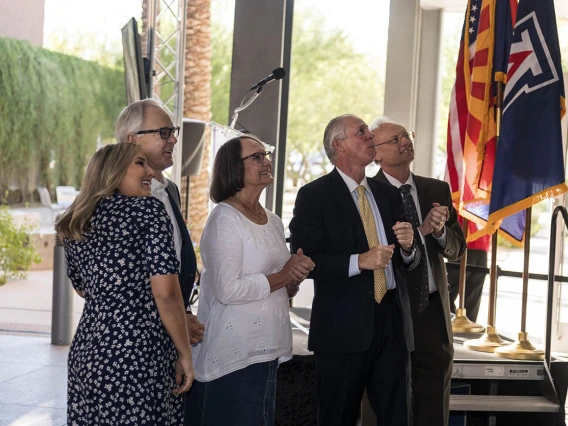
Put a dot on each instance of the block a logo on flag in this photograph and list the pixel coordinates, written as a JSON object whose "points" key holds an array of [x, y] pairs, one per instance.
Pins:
{"points": [[530, 64]]}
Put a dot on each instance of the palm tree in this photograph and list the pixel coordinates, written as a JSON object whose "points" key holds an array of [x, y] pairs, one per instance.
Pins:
{"points": [[197, 103], [143, 30]]}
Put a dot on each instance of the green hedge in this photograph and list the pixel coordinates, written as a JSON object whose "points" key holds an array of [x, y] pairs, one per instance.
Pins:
{"points": [[53, 108]]}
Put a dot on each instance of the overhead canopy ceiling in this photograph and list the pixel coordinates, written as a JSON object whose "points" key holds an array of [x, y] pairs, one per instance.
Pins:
{"points": [[561, 6]]}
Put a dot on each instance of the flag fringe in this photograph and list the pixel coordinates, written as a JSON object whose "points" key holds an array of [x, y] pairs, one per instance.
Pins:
{"points": [[496, 218], [488, 111], [482, 232]]}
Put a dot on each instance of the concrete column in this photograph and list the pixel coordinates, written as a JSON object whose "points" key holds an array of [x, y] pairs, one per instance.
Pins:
{"points": [[258, 46], [402, 62], [428, 93]]}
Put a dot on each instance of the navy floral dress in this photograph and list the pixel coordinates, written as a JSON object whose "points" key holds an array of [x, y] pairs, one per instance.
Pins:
{"points": [[122, 360]]}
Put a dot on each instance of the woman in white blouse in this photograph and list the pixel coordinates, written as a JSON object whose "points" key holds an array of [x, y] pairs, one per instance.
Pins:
{"points": [[248, 276]]}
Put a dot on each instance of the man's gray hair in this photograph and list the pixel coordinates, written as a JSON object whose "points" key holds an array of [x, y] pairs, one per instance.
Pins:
{"points": [[335, 130], [379, 122], [131, 118]]}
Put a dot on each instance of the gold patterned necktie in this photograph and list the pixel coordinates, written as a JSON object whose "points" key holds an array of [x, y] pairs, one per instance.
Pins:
{"points": [[368, 219]]}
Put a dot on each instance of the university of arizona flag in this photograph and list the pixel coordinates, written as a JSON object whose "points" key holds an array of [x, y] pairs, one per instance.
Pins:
{"points": [[529, 165]]}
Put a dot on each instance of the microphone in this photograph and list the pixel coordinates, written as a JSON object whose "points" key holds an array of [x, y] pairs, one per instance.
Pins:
{"points": [[277, 74]]}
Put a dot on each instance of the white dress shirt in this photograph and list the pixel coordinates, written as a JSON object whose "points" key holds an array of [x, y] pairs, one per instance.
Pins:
{"points": [[441, 240], [159, 191], [354, 259]]}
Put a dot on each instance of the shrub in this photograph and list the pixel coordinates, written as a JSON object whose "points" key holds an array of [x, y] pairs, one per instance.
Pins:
{"points": [[16, 252]]}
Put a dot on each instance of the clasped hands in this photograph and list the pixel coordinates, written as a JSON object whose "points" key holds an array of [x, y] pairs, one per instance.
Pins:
{"points": [[195, 329], [380, 256], [298, 267], [435, 221]]}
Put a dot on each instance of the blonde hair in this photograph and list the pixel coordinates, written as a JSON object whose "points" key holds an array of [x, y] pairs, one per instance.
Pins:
{"points": [[103, 176]]}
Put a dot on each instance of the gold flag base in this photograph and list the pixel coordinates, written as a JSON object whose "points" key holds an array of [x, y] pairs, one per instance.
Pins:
{"points": [[520, 349], [486, 343], [462, 324]]}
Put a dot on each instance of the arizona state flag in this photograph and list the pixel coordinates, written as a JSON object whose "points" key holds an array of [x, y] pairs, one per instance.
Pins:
{"points": [[529, 165]]}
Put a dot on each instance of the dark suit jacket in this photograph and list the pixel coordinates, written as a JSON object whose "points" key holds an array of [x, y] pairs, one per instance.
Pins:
{"points": [[437, 191], [188, 266], [328, 227]]}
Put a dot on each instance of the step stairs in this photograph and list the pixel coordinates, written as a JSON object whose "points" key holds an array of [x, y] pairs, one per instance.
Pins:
{"points": [[503, 403], [502, 392]]}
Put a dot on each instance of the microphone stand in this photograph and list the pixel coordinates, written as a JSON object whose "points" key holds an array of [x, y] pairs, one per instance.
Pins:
{"points": [[243, 107]]}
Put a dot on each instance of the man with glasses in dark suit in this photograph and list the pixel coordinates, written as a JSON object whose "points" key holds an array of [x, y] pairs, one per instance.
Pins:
{"points": [[146, 124], [427, 204]]}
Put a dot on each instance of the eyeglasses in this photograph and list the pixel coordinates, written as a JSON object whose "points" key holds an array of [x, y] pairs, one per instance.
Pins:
{"points": [[165, 132], [397, 139], [258, 157]]}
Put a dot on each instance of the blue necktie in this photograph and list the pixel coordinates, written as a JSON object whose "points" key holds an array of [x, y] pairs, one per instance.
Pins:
{"points": [[411, 216]]}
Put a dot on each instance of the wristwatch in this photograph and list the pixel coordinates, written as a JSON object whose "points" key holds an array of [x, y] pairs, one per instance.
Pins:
{"points": [[296, 290], [411, 252]]}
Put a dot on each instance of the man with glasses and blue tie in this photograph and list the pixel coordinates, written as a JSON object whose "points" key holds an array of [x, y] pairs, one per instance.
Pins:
{"points": [[146, 124], [427, 205]]}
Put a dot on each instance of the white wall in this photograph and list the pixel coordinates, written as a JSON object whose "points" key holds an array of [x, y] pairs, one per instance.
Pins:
{"points": [[22, 19]]}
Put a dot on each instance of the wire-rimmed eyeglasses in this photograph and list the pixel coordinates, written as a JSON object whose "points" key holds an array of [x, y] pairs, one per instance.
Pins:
{"points": [[397, 139], [165, 132], [258, 157]]}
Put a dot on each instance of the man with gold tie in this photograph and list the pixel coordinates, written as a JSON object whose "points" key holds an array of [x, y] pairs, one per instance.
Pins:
{"points": [[427, 204], [360, 329]]}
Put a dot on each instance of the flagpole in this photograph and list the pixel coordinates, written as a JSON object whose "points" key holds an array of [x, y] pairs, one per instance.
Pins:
{"points": [[522, 347], [461, 323], [490, 339]]}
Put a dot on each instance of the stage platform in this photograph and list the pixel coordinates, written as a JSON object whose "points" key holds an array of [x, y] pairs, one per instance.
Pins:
{"points": [[486, 389]]}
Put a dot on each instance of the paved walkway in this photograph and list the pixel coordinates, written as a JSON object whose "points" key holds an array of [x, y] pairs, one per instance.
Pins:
{"points": [[33, 376]]}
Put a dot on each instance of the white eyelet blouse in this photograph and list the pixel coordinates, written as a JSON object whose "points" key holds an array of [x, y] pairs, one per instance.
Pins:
{"points": [[245, 324]]}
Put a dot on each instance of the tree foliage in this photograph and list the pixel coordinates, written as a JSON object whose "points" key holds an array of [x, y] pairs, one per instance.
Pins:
{"points": [[53, 107], [328, 78]]}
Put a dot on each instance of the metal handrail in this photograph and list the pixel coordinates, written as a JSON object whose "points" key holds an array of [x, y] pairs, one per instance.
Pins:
{"points": [[505, 273], [551, 278]]}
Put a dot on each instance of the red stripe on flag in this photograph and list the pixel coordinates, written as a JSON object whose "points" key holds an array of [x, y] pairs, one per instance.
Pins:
{"points": [[481, 58], [484, 21], [478, 90], [473, 129]]}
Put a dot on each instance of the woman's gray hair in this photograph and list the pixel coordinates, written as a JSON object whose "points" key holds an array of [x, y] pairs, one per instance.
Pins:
{"points": [[335, 130], [132, 117], [379, 122]]}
